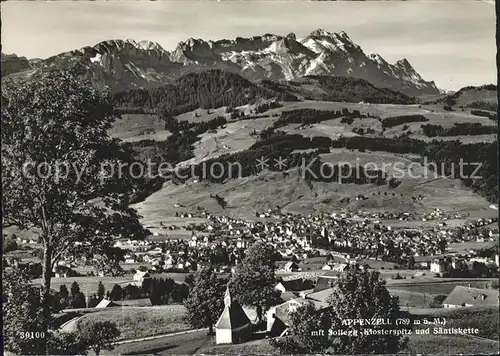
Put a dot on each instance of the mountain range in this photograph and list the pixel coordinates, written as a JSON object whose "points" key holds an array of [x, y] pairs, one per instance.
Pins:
{"points": [[126, 64]]}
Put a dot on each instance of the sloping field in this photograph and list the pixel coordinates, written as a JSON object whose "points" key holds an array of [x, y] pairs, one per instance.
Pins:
{"points": [[412, 299], [451, 345], [201, 115], [388, 162], [463, 138], [474, 95], [234, 137], [136, 322], [330, 128], [439, 116], [184, 344], [438, 287], [137, 127], [245, 196], [199, 343], [435, 114], [88, 285]]}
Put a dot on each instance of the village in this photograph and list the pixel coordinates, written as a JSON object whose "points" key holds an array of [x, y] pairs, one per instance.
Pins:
{"points": [[313, 251], [345, 237]]}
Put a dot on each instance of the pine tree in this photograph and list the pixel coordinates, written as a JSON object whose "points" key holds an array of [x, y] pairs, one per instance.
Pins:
{"points": [[116, 293], [75, 289], [63, 295], [101, 291]]}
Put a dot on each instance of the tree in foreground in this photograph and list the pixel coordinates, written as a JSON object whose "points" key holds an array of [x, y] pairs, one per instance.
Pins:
{"points": [[359, 294], [98, 335], [64, 343], [61, 172], [9, 245], [253, 281], [309, 330], [205, 301], [23, 320], [362, 294], [22, 314], [189, 280]]}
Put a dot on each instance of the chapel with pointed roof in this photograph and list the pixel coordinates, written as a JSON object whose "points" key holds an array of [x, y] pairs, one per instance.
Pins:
{"points": [[233, 326]]}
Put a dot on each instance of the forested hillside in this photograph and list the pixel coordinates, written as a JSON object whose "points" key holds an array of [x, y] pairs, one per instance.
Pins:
{"points": [[209, 89], [354, 90], [217, 88]]}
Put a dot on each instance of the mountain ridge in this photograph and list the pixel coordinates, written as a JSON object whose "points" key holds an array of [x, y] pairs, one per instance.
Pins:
{"points": [[123, 64]]}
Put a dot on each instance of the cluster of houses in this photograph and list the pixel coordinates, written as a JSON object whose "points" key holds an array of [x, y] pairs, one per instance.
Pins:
{"points": [[457, 262], [436, 214], [222, 241]]}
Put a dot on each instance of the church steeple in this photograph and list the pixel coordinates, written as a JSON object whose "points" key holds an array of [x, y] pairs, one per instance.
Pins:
{"points": [[227, 298]]}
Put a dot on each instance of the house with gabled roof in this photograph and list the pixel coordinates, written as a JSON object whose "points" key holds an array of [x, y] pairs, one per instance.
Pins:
{"points": [[140, 277], [462, 296], [291, 267], [233, 325], [105, 303], [279, 316]]}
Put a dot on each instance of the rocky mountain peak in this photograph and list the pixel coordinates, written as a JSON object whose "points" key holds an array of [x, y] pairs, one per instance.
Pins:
{"points": [[404, 63], [123, 64]]}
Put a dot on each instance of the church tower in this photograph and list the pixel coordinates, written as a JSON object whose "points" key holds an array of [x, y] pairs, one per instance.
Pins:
{"points": [[227, 298], [233, 325]]}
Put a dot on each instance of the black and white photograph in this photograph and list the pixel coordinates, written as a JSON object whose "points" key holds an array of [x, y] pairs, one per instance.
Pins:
{"points": [[227, 177]]}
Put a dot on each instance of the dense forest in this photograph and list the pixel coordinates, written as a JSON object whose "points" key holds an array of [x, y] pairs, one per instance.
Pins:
{"points": [[465, 128], [217, 88], [483, 105], [209, 89], [404, 119], [490, 115], [314, 116], [354, 90]]}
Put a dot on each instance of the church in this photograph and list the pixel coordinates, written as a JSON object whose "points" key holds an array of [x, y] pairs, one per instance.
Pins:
{"points": [[233, 326]]}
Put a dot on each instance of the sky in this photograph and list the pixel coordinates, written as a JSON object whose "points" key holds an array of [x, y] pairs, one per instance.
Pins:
{"points": [[450, 42]]}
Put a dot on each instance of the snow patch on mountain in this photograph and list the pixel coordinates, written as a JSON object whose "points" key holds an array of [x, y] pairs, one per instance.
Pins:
{"points": [[124, 63]]}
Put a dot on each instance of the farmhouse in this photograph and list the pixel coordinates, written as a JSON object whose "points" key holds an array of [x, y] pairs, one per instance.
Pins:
{"points": [[462, 296], [325, 281], [233, 325], [140, 277], [295, 285], [281, 314], [337, 267], [322, 296], [437, 266], [278, 316], [291, 267], [105, 303]]}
